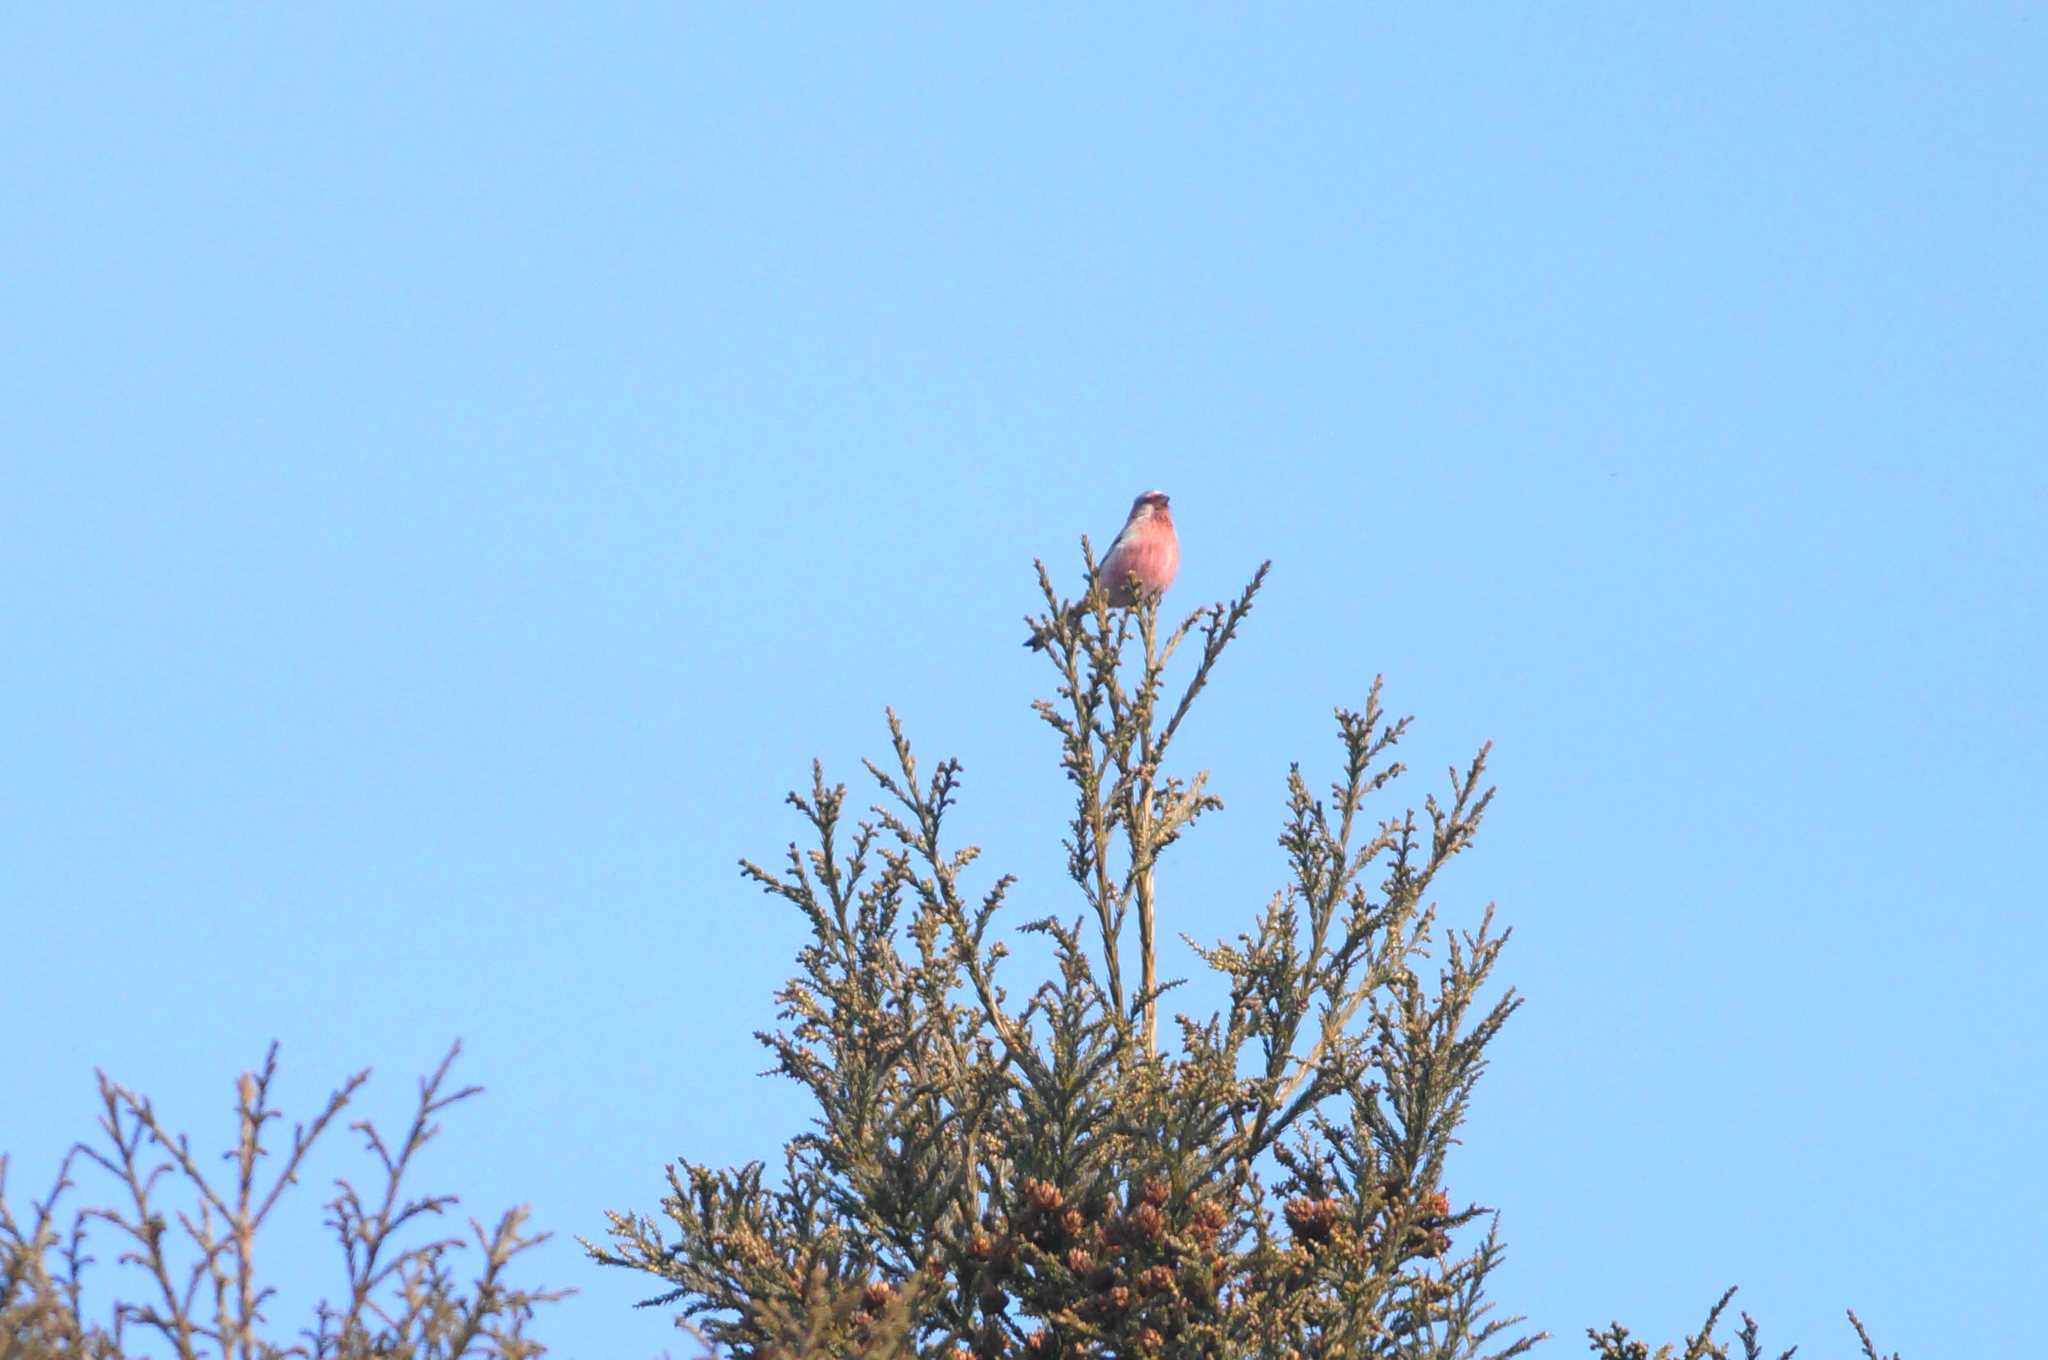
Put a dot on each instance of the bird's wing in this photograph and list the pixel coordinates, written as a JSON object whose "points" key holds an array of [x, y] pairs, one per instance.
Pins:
{"points": [[1116, 543]]}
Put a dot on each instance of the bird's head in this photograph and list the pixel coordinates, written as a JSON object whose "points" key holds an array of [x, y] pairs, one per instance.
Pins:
{"points": [[1148, 505]]}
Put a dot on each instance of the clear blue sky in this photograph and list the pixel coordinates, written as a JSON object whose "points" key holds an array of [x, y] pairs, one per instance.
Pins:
{"points": [[462, 462]]}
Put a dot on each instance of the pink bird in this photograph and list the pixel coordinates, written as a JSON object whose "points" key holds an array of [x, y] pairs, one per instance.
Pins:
{"points": [[1144, 557]]}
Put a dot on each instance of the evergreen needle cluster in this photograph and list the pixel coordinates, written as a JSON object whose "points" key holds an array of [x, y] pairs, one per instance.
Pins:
{"points": [[1000, 1167], [190, 1241], [1005, 1167]]}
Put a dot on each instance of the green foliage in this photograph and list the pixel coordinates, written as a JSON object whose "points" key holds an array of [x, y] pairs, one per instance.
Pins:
{"points": [[201, 1293], [1002, 1171], [1615, 1344], [995, 1170]]}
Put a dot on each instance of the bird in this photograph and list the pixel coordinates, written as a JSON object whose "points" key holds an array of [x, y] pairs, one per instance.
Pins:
{"points": [[1143, 559]]}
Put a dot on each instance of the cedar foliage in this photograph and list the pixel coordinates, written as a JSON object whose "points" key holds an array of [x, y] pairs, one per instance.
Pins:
{"points": [[186, 1277], [1614, 1343], [1004, 1169], [988, 1176]]}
